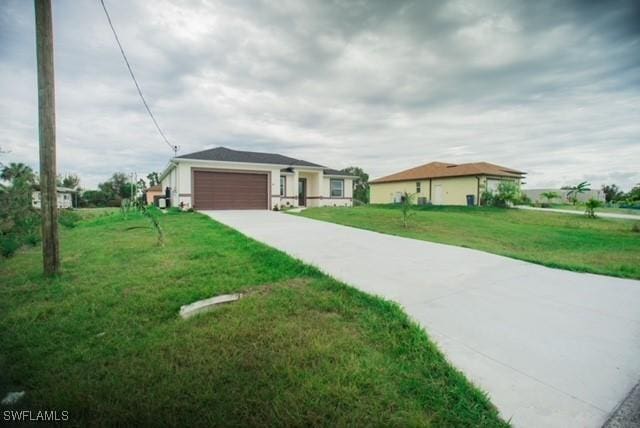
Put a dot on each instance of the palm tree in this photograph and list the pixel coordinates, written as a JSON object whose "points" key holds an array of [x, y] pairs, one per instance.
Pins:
{"points": [[578, 189], [17, 171], [550, 196]]}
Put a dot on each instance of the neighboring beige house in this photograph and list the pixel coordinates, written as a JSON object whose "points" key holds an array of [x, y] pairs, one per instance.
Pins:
{"points": [[152, 192], [443, 183], [221, 179], [65, 197]]}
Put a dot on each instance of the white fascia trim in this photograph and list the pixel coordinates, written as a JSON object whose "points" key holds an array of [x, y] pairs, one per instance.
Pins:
{"points": [[168, 169], [340, 176]]}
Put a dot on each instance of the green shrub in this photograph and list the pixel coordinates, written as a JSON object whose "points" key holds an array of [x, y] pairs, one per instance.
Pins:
{"points": [[550, 196], [153, 213], [635, 228], [629, 205], [487, 198], [69, 218], [9, 244], [590, 207], [508, 193], [406, 206], [524, 200], [19, 220], [32, 239], [94, 198]]}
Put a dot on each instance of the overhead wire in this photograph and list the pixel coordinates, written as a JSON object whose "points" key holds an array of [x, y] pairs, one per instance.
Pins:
{"points": [[135, 81]]}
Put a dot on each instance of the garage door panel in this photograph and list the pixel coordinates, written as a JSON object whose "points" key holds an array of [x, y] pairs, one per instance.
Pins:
{"points": [[215, 190]]}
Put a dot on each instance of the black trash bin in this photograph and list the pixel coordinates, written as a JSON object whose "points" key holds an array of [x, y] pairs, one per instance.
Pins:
{"points": [[471, 200], [167, 195]]}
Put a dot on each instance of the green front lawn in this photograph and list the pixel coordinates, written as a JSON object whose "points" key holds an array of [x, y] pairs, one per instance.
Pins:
{"points": [[105, 342], [603, 246]]}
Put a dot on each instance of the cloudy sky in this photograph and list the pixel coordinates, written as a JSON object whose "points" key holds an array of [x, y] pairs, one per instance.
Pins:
{"points": [[552, 88]]}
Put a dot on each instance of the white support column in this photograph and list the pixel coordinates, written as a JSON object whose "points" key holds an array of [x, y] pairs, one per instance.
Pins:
{"points": [[319, 182], [294, 188]]}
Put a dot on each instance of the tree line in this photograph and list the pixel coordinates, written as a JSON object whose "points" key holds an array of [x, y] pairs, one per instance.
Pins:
{"points": [[20, 219]]}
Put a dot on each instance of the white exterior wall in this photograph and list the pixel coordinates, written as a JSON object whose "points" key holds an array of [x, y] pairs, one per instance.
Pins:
{"points": [[64, 200], [171, 181], [347, 197], [290, 198], [314, 187], [318, 194], [179, 179]]}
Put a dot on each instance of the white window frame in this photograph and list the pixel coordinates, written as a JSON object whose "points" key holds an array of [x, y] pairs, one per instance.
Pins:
{"points": [[341, 182], [283, 185]]}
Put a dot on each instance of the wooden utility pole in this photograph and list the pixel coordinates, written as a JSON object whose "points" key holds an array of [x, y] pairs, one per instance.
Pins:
{"points": [[47, 133]]}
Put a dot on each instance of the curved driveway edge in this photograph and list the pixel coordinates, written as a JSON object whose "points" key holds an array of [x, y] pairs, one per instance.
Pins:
{"points": [[576, 212], [552, 348], [627, 415]]}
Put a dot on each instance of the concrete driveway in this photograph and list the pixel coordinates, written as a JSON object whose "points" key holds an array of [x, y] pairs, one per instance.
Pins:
{"points": [[552, 348]]}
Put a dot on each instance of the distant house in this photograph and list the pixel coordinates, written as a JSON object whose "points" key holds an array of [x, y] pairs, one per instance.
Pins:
{"points": [[442, 183], [65, 197], [152, 193], [536, 195]]}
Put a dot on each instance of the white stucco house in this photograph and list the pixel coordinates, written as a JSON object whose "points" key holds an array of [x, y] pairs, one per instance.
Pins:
{"points": [[65, 197], [224, 179]]}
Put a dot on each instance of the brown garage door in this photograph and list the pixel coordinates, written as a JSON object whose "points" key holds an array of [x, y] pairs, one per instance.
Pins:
{"points": [[230, 190]]}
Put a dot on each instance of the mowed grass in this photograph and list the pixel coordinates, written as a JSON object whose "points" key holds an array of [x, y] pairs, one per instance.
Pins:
{"points": [[104, 341], [603, 246], [91, 213]]}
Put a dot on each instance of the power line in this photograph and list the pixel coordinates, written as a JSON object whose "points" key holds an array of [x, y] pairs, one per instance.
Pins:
{"points": [[135, 81]]}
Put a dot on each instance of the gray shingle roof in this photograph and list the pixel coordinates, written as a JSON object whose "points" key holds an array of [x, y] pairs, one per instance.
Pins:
{"points": [[227, 155]]}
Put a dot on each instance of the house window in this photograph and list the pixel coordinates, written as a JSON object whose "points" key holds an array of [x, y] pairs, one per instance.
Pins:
{"points": [[417, 187], [283, 185], [337, 188]]}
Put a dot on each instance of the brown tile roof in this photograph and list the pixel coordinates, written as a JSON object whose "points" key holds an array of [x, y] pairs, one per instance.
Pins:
{"points": [[443, 169], [156, 188]]}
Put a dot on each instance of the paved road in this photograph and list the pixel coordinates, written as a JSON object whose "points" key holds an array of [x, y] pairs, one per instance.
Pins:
{"points": [[598, 213], [552, 348]]}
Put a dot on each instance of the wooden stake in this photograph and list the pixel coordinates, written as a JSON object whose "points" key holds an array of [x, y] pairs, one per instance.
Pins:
{"points": [[47, 133]]}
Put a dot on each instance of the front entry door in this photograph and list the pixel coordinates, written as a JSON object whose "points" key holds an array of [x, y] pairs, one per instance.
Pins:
{"points": [[302, 192]]}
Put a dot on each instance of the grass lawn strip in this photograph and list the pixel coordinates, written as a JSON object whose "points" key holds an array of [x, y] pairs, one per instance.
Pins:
{"points": [[105, 341]]}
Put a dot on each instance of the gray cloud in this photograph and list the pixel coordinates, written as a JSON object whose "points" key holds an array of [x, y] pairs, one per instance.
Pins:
{"points": [[552, 88]]}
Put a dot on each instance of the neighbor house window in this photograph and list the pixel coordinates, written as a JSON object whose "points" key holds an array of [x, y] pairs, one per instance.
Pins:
{"points": [[283, 185], [417, 187], [337, 188]]}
